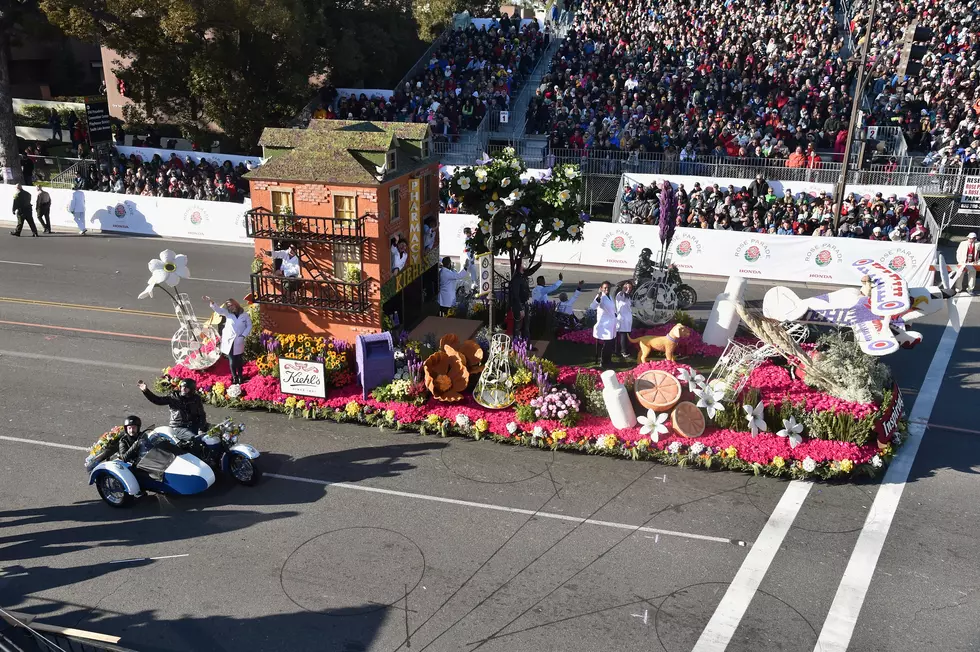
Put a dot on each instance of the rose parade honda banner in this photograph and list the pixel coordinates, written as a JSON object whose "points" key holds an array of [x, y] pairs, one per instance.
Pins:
{"points": [[804, 259]]}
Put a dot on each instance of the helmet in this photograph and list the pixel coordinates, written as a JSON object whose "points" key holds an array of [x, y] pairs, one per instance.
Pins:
{"points": [[132, 420], [646, 252], [189, 383]]}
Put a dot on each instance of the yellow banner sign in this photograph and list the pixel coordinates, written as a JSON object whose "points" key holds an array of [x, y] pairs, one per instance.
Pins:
{"points": [[414, 222]]}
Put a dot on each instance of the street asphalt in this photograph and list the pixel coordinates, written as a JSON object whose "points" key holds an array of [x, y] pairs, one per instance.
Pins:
{"points": [[362, 540]]}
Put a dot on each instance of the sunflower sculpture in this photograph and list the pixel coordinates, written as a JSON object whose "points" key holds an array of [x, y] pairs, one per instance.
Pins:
{"points": [[446, 375], [471, 351]]}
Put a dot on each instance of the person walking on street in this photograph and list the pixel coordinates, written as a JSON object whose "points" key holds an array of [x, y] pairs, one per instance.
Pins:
{"points": [[604, 330], [43, 205], [23, 211], [967, 257], [237, 327]]}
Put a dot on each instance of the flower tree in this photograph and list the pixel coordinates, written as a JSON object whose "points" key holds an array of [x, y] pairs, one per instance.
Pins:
{"points": [[524, 214]]}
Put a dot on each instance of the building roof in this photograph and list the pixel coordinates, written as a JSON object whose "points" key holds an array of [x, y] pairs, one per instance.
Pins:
{"points": [[340, 151]]}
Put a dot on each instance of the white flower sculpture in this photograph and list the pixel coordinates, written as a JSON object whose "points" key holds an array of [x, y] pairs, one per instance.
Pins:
{"points": [[693, 379], [571, 172], [464, 183], [653, 424], [168, 269], [480, 174], [792, 430], [234, 391], [709, 398], [492, 208], [522, 230], [557, 224], [509, 151], [809, 464], [754, 415], [564, 196], [517, 194], [485, 227], [505, 182], [573, 230]]}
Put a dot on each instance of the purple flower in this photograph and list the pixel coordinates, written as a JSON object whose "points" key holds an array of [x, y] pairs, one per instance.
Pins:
{"points": [[585, 217]]}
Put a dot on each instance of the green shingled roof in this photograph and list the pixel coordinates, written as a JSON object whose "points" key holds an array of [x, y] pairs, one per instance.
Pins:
{"points": [[339, 151]]}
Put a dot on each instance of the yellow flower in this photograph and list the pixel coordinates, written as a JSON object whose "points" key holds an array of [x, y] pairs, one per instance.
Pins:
{"points": [[300, 404], [606, 441], [352, 408], [731, 451], [166, 371], [482, 425], [291, 402], [390, 415], [643, 443], [432, 419], [846, 466], [219, 388], [559, 435], [778, 462]]}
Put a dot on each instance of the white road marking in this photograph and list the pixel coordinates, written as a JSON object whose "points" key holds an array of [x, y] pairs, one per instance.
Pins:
{"points": [[17, 262], [92, 363], [720, 629], [132, 561], [218, 280], [835, 636], [440, 499]]}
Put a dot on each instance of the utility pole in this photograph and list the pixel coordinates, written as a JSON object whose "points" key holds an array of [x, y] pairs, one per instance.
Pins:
{"points": [[855, 111]]}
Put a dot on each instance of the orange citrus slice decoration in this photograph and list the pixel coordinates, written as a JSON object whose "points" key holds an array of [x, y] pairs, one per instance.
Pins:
{"points": [[687, 420], [657, 390]]}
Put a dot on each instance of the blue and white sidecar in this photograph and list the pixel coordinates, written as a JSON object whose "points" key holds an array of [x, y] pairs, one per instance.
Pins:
{"points": [[166, 465]]}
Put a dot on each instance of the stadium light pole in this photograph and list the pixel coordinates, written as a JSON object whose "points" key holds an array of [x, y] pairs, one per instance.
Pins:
{"points": [[855, 110]]}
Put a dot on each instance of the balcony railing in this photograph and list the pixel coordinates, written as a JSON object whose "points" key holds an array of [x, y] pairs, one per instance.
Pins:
{"points": [[336, 296], [263, 223]]}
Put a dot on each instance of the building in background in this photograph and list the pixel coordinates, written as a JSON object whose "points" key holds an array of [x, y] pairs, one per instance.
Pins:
{"points": [[56, 66]]}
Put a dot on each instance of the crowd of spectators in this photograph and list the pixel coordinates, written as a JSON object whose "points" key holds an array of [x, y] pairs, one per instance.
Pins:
{"points": [[758, 208], [938, 108], [176, 177], [471, 72], [737, 78]]}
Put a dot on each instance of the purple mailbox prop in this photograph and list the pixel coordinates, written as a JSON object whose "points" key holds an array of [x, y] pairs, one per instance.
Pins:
{"points": [[375, 361]]}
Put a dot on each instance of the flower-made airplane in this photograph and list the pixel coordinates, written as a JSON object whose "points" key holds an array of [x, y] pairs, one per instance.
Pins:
{"points": [[877, 312]]}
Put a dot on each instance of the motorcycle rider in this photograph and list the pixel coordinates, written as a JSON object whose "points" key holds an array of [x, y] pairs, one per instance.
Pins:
{"points": [[129, 441], [187, 416]]}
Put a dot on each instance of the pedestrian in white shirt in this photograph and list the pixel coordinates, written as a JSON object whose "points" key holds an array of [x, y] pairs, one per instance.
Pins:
{"points": [[541, 291], [967, 257], [469, 256], [624, 317], [566, 304], [449, 280], [77, 209], [237, 327], [289, 268], [604, 330]]}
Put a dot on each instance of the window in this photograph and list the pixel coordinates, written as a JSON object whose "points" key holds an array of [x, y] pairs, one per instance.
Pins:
{"points": [[282, 201], [391, 160], [426, 148], [345, 207], [394, 203], [426, 189], [347, 262]]}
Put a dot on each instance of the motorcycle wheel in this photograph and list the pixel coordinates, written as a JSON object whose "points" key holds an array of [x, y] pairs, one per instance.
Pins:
{"points": [[112, 491], [686, 296], [245, 470]]}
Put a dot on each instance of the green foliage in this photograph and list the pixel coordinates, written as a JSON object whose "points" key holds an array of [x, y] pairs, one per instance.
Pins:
{"points": [[590, 395], [35, 115], [540, 212], [401, 391], [682, 317], [435, 16], [859, 377], [525, 414], [549, 367]]}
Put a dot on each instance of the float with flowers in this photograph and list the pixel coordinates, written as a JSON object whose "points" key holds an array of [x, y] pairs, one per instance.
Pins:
{"points": [[768, 417]]}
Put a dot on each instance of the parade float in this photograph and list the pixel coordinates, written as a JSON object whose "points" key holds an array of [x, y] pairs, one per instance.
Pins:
{"points": [[764, 394]]}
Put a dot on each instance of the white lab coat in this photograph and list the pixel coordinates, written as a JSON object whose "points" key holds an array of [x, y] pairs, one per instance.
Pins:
{"points": [[541, 292], [624, 313], [468, 255], [234, 332], [567, 307], [76, 206], [448, 282], [605, 323]]}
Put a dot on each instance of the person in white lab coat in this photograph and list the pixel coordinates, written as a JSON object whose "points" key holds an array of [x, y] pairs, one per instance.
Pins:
{"points": [[967, 257], [449, 280], [237, 327], [604, 330], [469, 257], [624, 317], [541, 291], [77, 209]]}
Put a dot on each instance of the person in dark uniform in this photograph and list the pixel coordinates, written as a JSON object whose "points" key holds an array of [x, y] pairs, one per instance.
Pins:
{"points": [[43, 206], [24, 211], [187, 416]]}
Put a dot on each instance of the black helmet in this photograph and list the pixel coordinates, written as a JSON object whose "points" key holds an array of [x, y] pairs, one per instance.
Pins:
{"points": [[132, 420], [189, 383], [646, 251]]}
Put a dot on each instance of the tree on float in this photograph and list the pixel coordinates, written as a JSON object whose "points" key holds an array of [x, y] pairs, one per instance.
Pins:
{"points": [[523, 213]]}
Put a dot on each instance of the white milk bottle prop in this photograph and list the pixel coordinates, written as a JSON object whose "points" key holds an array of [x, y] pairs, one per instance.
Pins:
{"points": [[617, 401]]}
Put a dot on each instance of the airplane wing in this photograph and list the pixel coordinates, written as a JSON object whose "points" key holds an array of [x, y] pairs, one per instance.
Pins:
{"points": [[875, 337], [890, 294]]}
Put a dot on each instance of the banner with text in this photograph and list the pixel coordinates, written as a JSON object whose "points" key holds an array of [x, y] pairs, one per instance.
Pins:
{"points": [[722, 253]]}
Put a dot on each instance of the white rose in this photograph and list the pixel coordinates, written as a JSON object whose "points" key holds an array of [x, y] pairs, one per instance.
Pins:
{"points": [[876, 462], [809, 465], [675, 447], [512, 427], [234, 391], [462, 420]]}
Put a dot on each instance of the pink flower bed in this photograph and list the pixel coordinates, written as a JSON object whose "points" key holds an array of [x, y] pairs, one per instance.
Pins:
{"points": [[773, 382]]}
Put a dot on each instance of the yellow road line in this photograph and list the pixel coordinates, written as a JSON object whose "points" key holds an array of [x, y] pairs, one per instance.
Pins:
{"points": [[81, 306]]}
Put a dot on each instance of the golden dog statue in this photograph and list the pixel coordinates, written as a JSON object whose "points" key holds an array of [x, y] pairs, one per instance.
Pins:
{"points": [[666, 344]]}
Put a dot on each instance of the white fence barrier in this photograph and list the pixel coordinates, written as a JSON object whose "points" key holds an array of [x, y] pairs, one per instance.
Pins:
{"points": [[147, 154], [160, 216], [721, 253]]}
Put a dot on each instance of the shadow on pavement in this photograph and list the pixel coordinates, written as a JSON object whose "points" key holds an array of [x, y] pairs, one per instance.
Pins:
{"points": [[351, 465]]}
